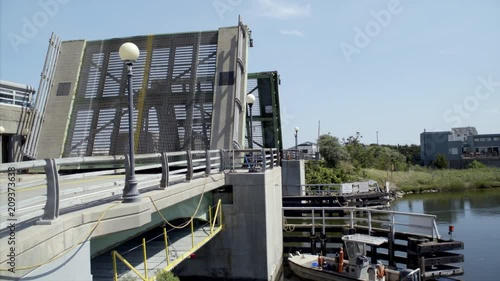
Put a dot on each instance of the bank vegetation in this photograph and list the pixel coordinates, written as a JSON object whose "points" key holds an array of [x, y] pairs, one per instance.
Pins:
{"points": [[349, 160]]}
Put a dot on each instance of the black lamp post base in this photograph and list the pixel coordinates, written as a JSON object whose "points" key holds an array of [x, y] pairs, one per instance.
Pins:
{"points": [[131, 194]]}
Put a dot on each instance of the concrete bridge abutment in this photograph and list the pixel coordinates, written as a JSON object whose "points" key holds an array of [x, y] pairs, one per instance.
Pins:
{"points": [[250, 247], [293, 177]]}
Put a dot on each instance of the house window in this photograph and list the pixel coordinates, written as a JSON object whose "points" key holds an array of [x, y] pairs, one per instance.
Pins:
{"points": [[476, 139], [496, 138], [454, 150]]}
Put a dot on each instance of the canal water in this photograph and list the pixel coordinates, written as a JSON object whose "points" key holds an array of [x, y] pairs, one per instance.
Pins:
{"points": [[476, 218]]}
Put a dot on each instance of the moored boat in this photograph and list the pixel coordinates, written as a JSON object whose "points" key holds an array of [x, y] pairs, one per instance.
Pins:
{"points": [[357, 267]]}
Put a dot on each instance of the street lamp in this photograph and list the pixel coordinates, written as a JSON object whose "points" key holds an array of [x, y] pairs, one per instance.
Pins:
{"points": [[250, 100], [129, 54], [295, 134]]}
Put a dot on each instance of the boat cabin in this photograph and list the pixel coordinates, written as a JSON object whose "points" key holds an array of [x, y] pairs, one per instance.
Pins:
{"points": [[359, 263]]}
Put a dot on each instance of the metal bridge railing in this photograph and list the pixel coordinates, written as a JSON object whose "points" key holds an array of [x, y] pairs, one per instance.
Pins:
{"points": [[175, 167], [334, 189], [392, 221]]}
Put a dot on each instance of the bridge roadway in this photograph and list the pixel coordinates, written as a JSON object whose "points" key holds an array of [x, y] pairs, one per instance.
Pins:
{"points": [[72, 227], [83, 208], [31, 193]]}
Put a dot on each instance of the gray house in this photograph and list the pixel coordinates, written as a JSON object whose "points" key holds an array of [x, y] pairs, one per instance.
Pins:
{"points": [[460, 146]]}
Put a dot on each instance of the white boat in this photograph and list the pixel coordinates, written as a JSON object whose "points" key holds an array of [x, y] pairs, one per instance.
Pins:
{"points": [[357, 267]]}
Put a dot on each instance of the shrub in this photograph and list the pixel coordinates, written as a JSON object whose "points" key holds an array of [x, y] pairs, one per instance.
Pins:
{"points": [[162, 275], [441, 161], [475, 165], [129, 278]]}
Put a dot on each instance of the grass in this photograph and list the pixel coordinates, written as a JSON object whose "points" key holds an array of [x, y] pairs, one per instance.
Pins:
{"points": [[420, 179]]}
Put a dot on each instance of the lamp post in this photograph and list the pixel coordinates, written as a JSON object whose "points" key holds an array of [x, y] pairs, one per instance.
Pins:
{"points": [[250, 99], [129, 53], [296, 132]]}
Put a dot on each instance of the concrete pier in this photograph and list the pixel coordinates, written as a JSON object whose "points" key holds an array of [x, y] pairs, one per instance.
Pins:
{"points": [[251, 243], [293, 177]]}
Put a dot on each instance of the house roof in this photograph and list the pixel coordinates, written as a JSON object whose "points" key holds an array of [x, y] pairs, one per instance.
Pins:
{"points": [[307, 143]]}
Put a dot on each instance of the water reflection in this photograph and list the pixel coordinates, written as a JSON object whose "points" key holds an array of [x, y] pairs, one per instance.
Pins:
{"points": [[451, 206], [475, 215]]}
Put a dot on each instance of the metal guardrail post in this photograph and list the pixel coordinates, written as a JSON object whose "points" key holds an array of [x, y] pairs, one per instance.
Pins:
{"points": [[210, 217], [208, 161], [164, 170], [115, 271], [264, 160], [272, 158], [369, 222], [145, 258], [51, 209], [189, 160], [192, 233], [222, 160], [352, 217]]}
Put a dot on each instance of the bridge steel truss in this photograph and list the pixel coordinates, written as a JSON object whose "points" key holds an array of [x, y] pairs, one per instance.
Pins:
{"points": [[266, 110], [173, 86]]}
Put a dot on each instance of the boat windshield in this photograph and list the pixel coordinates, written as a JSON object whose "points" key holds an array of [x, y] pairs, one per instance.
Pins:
{"points": [[355, 249]]}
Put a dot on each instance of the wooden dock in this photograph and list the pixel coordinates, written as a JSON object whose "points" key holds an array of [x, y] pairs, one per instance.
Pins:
{"points": [[413, 239]]}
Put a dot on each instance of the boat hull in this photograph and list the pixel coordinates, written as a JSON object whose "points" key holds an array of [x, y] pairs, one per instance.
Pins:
{"points": [[303, 268]]}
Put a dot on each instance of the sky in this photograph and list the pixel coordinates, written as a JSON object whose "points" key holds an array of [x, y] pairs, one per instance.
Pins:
{"points": [[395, 67]]}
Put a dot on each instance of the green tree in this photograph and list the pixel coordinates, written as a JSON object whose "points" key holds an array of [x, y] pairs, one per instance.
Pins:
{"points": [[318, 172], [441, 161], [331, 150], [411, 152]]}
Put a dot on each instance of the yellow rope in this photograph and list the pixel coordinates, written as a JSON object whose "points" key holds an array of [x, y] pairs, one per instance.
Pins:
{"points": [[288, 227], [191, 218], [71, 248]]}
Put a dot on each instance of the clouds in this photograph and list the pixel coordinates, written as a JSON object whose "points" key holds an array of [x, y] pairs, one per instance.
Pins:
{"points": [[292, 32], [283, 10]]}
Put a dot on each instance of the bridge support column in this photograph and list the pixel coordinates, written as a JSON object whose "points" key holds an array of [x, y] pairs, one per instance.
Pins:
{"points": [[250, 246], [293, 177]]}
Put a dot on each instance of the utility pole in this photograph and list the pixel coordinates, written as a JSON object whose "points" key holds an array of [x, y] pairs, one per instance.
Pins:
{"points": [[377, 137]]}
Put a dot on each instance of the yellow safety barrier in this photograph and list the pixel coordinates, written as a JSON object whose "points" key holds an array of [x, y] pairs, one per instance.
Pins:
{"points": [[116, 255], [170, 265]]}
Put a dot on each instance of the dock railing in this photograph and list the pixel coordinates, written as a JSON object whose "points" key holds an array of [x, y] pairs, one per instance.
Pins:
{"points": [[412, 276], [175, 167], [371, 219]]}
